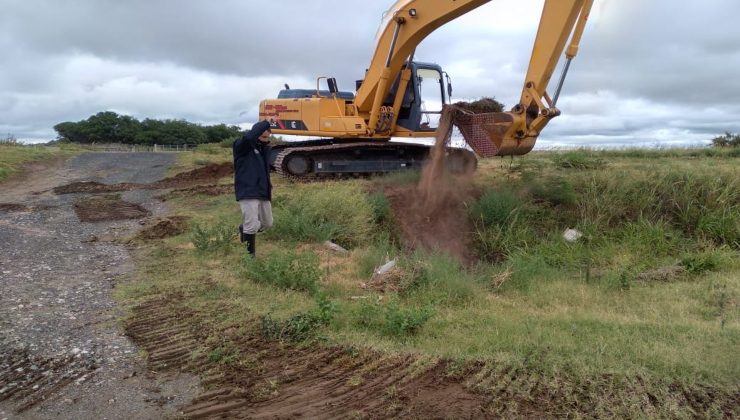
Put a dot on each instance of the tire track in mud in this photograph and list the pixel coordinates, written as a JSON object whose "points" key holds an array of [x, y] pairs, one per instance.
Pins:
{"points": [[287, 381]]}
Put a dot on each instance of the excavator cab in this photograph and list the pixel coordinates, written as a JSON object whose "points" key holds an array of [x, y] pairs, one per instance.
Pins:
{"points": [[426, 93]]}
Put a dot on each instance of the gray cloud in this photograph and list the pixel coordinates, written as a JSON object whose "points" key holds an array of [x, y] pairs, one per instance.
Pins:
{"points": [[646, 71]]}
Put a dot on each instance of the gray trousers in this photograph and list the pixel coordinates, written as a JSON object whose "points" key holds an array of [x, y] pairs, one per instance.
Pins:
{"points": [[257, 215]]}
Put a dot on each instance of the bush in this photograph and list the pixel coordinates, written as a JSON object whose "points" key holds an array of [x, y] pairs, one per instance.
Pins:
{"points": [[381, 207], [286, 270]]}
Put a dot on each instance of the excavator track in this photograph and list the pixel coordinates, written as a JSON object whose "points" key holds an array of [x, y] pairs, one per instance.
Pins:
{"points": [[323, 159]]}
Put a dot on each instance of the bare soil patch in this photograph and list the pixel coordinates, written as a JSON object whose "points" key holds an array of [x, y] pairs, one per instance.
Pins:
{"points": [[207, 174], [98, 209], [13, 207], [164, 228], [210, 190], [249, 376]]}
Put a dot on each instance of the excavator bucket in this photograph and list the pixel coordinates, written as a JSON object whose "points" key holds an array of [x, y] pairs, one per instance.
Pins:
{"points": [[486, 134]]}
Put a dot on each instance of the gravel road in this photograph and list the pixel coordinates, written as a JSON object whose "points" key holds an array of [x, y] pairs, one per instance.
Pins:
{"points": [[62, 351]]}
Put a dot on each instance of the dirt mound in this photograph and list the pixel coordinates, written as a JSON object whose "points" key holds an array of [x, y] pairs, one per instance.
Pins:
{"points": [[208, 173], [481, 106], [164, 228], [109, 207], [210, 190], [92, 187]]}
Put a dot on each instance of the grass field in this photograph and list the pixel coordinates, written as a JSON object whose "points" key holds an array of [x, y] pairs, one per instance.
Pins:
{"points": [[12, 156], [644, 306], [645, 302]]}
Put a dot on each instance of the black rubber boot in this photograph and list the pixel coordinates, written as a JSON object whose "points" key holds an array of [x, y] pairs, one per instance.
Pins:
{"points": [[242, 236], [250, 240]]}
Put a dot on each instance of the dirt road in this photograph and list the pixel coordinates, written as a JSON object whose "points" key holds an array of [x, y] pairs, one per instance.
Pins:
{"points": [[62, 351]]}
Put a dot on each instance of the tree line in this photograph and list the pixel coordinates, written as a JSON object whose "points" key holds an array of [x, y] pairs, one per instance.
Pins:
{"points": [[109, 127]]}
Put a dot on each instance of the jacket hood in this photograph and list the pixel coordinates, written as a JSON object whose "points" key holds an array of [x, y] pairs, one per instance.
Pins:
{"points": [[257, 130]]}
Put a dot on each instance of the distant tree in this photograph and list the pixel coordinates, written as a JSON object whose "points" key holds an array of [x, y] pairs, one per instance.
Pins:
{"points": [[220, 132], [109, 127], [71, 132], [727, 140], [170, 132]]}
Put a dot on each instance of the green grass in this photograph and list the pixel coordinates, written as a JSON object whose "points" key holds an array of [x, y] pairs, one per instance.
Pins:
{"points": [[648, 295], [12, 156]]}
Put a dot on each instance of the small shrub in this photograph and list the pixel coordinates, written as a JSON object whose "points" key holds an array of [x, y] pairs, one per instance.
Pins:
{"points": [[436, 279], [369, 314], [218, 237], [286, 270]]}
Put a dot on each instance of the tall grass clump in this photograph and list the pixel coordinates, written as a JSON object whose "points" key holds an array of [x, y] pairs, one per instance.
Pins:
{"points": [[501, 224], [285, 270], [703, 205], [333, 211], [217, 237], [437, 279], [578, 159]]}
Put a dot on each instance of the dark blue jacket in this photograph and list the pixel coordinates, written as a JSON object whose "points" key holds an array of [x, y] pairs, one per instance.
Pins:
{"points": [[252, 165]]}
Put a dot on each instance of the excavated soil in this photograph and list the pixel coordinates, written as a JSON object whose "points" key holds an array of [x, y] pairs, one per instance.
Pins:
{"points": [[99, 209], [164, 228]]}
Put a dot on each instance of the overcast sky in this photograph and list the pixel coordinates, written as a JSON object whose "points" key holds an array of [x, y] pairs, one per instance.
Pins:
{"points": [[657, 72]]}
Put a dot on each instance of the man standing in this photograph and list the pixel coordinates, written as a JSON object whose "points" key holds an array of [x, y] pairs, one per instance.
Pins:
{"points": [[252, 182]]}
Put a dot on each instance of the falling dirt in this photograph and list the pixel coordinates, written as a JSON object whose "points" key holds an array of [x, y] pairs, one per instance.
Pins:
{"points": [[432, 215], [109, 207]]}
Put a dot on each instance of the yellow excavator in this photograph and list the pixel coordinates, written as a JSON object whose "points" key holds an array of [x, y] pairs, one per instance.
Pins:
{"points": [[393, 99]]}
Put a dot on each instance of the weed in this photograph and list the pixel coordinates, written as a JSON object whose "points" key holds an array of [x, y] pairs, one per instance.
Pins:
{"points": [[700, 263], [300, 326], [496, 208], [578, 159], [404, 321], [286, 270], [381, 207]]}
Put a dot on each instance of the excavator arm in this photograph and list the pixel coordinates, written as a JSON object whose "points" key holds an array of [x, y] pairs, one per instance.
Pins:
{"points": [[408, 22]]}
